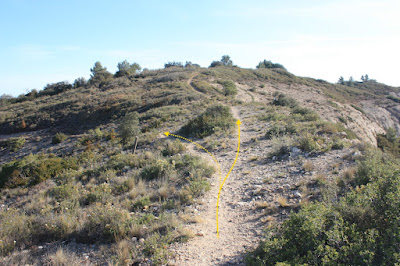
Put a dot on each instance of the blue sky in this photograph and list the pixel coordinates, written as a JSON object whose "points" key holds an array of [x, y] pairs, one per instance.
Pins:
{"points": [[46, 41]]}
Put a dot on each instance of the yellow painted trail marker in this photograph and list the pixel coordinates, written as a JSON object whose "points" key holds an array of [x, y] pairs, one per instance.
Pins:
{"points": [[215, 160], [230, 170], [219, 168]]}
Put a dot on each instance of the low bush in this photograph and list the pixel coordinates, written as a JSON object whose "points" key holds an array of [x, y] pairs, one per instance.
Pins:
{"points": [[229, 87], [359, 228], [15, 144], [58, 138], [34, 169], [107, 223], [284, 100], [281, 129], [216, 118], [173, 147], [204, 86], [158, 169]]}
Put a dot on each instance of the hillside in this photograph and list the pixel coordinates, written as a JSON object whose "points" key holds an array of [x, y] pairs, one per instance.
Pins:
{"points": [[75, 188]]}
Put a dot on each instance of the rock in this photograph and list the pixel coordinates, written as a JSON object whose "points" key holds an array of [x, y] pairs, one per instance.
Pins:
{"points": [[134, 239], [286, 186], [141, 240], [297, 194], [296, 150], [274, 158], [200, 233]]}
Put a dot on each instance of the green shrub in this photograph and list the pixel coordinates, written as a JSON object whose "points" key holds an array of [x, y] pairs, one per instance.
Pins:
{"points": [[284, 100], [58, 138], [34, 169], [269, 64], [358, 228], [129, 127], [16, 144], [15, 230], [204, 86], [63, 192], [307, 143], [229, 87], [141, 202], [157, 169], [281, 129], [173, 147], [120, 161], [106, 223], [393, 98], [100, 193], [216, 118]]}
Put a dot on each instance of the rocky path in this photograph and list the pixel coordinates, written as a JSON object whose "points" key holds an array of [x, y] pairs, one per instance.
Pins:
{"points": [[238, 222]]}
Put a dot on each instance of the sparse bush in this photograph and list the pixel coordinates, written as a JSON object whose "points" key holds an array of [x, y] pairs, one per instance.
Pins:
{"points": [[15, 230], [99, 74], [281, 129], [106, 223], [173, 147], [204, 86], [16, 144], [80, 82], [127, 69], [229, 87], [58, 138], [34, 169], [173, 64], [355, 229], [129, 127], [307, 143], [216, 118], [284, 100], [141, 203], [158, 169], [269, 64]]}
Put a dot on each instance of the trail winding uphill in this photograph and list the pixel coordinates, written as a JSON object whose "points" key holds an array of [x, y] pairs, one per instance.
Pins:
{"points": [[239, 224]]}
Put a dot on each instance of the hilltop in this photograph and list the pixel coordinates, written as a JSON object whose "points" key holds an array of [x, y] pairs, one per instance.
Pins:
{"points": [[88, 176]]}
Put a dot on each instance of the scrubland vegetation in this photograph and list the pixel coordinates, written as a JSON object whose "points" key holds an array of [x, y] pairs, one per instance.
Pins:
{"points": [[99, 174]]}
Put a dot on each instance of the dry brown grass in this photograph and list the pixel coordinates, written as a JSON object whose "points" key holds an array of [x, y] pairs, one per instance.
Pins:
{"points": [[308, 166], [123, 249], [261, 204], [62, 258], [282, 201]]}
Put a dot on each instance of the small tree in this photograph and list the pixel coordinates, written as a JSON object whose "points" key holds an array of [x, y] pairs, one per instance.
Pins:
{"points": [[226, 60], [341, 80], [173, 64], [79, 82], [126, 69], [129, 127], [269, 64], [99, 73]]}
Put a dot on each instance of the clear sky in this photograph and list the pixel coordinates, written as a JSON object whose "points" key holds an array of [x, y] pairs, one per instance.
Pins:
{"points": [[44, 41]]}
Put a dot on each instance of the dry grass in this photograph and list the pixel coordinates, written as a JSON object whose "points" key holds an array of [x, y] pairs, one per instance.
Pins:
{"points": [[62, 258], [123, 249], [282, 201], [253, 158], [349, 173], [140, 189], [320, 180], [308, 166], [261, 204], [267, 180]]}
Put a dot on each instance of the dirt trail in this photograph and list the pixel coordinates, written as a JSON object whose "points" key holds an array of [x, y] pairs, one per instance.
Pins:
{"points": [[239, 226]]}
